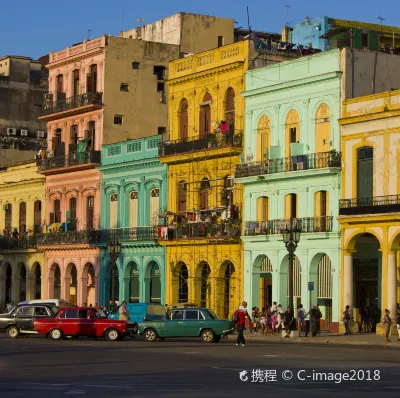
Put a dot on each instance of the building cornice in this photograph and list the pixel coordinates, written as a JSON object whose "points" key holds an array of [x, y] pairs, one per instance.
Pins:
{"points": [[69, 60], [118, 167]]}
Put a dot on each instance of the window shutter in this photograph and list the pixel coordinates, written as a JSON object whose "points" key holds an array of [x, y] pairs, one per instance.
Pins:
{"points": [[52, 218]]}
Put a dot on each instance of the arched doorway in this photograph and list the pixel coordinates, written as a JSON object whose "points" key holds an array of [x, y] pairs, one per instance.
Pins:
{"points": [[228, 287], [324, 291], [57, 282], [155, 283], [22, 283], [284, 282], [265, 283], [205, 290], [37, 282], [134, 285], [205, 115], [116, 285], [183, 284], [8, 283], [90, 297], [73, 284]]}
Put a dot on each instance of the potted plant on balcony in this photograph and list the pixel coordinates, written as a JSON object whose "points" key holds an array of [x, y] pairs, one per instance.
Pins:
{"points": [[333, 158]]}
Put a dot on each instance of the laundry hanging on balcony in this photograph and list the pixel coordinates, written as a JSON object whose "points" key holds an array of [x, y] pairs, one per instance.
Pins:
{"points": [[82, 145]]}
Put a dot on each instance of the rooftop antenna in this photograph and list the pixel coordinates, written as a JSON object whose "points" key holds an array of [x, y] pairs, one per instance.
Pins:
{"points": [[248, 20], [89, 32], [381, 19], [287, 6], [140, 21]]}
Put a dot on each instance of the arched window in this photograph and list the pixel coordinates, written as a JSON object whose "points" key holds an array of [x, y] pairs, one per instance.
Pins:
{"points": [[205, 115], [290, 206], [57, 282], [205, 274], [134, 289], [322, 129], [154, 206], [262, 209], [263, 138], [365, 172], [292, 130], [22, 218], [72, 215], [183, 119], [230, 109], [182, 196], [204, 190], [90, 212], [113, 210], [183, 293], [133, 209]]}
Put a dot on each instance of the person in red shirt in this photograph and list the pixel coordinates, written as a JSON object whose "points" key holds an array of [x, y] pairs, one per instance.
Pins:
{"points": [[241, 315]]}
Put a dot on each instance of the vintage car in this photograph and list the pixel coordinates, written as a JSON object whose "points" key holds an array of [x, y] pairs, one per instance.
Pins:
{"points": [[187, 322], [82, 321], [20, 319]]}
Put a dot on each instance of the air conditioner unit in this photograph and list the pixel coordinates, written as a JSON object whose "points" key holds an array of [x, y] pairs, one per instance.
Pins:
{"points": [[24, 133], [40, 134], [11, 131]]}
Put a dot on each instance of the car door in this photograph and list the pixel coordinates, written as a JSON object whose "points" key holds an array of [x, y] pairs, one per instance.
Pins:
{"points": [[68, 322], [193, 323], [173, 325], [24, 318], [86, 321], [40, 312]]}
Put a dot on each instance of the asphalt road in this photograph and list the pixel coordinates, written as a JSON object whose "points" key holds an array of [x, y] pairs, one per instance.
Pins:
{"points": [[35, 367]]}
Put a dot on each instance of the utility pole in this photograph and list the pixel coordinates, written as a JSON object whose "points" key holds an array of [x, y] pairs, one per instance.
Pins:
{"points": [[287, 6]]}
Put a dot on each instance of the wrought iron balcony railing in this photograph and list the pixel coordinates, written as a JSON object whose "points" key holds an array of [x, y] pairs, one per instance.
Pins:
{"points": [[66, 104], [275, 227], [374, 205], [219, 230], [18, 244], [72, 159], [62, 238], [294, 163], [208, 141], [123, 234]]}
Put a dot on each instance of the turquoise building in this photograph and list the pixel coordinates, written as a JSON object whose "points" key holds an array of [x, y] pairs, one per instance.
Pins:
{"points": [[134, 190], [291, 170]]}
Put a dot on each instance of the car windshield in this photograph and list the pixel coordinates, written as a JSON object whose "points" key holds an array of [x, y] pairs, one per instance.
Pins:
{"points": [[54, 309], [115, 310], [155, 309], [212, 314], [100, 313]]}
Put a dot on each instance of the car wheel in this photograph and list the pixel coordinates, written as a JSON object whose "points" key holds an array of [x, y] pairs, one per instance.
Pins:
{"points": [[150, 335], [112, 335], [217, 338], [56, 334], [13, 332], [207, 336]]}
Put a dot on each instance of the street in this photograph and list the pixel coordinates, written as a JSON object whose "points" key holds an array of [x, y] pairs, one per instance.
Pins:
{"points": [[37, 367]]}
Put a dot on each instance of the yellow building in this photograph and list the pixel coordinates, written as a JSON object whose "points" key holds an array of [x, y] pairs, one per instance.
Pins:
{"points": [[370, 208], [203, 222], [22, 202]]}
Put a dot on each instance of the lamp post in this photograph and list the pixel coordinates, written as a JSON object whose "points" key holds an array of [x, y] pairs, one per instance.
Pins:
{"points": [[291, 238], [114, 250]]}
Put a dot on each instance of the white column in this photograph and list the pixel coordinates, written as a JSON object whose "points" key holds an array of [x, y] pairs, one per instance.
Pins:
{"points": [[392, 284], [348, 279]]}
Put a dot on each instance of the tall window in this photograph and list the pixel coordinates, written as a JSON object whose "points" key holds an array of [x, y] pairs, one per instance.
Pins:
{"points": [[262, 209], [227, 192], [263, 137], [230, 109], [113, 210], [133, 209], [183, 293], [76, 83], [291, 206], [74, 135], [183, 119], [91, 81], [321, 210], [56, 138], [72, 214], [91, 135], [292, 130], [182, 196], [22, 218], [230, 269], [57, 210], [154, 206], [37, 215], [205, 273], [60, 94], [90, 212], [8, 216], [205, 115], [365, 172], [204, 190], [322, 129]]}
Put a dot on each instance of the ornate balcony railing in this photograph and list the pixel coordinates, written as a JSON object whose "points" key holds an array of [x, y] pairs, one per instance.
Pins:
{"points": [[219, 230], [123, 234], [275, 227], [294, 163], [72, 159], [62, 238], [18, 244], [208, 141], [50, 106], [374, 205]]}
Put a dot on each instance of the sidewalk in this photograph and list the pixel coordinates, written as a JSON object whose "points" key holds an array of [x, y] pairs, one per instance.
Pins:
{"points": [[370, 339]]}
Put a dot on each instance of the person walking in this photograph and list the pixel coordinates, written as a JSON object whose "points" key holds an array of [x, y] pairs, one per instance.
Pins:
{"points": [[123, 312], [387, 322], [346, 319], [398, 320], [240, 315]]}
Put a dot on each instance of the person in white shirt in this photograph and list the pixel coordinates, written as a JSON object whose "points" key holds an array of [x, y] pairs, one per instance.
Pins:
{"points": [[123, 312]]}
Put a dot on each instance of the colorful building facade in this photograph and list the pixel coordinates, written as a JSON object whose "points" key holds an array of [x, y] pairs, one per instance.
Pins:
{"points": [[292, 170], [370, 207], [22, 211], [134, 193]]}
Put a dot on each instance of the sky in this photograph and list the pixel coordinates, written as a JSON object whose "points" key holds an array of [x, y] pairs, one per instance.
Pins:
{"points": [[34, 28]]}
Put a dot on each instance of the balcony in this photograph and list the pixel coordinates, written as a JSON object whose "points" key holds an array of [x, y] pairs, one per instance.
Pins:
{"points": [[375, 205], [206, 142], [77, 159], [294, 163], [18, 244], [123, 235], [72, 105], [62, 238], [275, 227], [219, 230]]}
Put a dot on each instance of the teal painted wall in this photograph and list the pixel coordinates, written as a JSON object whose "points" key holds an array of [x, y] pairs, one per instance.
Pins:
{"points": [[132, 166], [303, 84]]}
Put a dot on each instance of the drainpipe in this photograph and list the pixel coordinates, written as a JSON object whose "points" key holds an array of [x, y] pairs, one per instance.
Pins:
{"points": [[374, 75]]}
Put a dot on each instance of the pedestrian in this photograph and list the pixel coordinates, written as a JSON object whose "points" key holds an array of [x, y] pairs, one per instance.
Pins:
{"points": [[90, 305], [301, 319], [123, 312], [84, 304], [346, 319], [240, 320], [166, 308], [96, 305], [279, 313], [387, 322], [398, 320], [315, 317], [274, 307], [288, 320]]}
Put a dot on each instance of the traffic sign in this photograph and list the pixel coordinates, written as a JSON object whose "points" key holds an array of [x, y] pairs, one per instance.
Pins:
{"points": [[310, 286]]}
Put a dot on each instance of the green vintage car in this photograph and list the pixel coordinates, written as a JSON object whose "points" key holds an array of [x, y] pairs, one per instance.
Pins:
{"points": [[187, 322]]}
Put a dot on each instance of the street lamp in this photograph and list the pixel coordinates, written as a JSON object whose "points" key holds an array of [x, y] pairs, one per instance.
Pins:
{"points": [[291, 238], [114, 250]]}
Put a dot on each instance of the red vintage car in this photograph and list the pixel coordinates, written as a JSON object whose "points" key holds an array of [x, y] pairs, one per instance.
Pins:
{"points": [[81, 321]]}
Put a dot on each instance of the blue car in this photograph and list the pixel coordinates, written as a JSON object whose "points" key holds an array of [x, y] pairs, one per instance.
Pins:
{"points": [[140, 312]]}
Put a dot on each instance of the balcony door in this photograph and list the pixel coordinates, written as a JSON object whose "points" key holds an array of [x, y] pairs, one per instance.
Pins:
{"points": [[37, 215], [365, 173], [8, 216], [90, 212], [22, 218], [183, 119], [205, 115], [91, 81], [72, 214], [57, 211], [91, 135], [291, 206]]}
